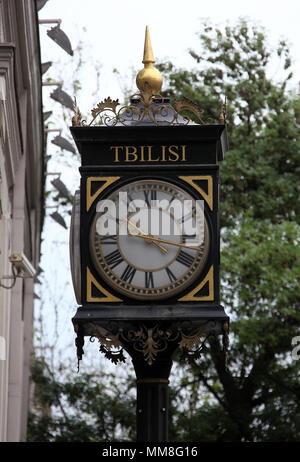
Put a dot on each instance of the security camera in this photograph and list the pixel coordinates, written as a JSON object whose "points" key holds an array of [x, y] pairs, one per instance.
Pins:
{"points": [[22, 265]]}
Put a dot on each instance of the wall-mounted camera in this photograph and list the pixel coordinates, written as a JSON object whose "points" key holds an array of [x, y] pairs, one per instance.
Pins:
{"points": [[22, 265]]}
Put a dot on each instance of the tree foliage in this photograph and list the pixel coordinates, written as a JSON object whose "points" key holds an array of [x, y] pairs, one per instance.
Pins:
{"points": [[257, 398], [89, 407]]}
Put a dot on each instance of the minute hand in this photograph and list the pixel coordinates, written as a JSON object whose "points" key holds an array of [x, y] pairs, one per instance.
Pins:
{"points": [[164, 241]]}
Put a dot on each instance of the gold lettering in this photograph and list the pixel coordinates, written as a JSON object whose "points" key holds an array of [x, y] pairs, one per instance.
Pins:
{"points": [[174, 153], [145, 154], [131, 153], [116, 148], [149, 155]]}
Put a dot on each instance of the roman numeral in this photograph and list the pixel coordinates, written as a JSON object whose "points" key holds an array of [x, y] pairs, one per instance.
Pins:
{"points": [[113, 259], [185, 259], [173, 198], [129, 199], [188, 237], [149, 282], [147, 200], [128, 274], [172, 276], [109, 239], [188, 216], [150, 195], [153, 194]]}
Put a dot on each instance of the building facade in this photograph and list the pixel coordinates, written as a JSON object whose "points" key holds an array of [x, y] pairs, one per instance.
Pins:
{"points": [[21, 203]]}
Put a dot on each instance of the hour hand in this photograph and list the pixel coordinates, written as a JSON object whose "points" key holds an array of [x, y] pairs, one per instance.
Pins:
{"points": [[165, 241], [148, 237]]}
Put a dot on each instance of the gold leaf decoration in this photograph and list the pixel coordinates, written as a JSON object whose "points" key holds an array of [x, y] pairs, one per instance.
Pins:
{"points": [[77, 117], [147, 95], [107, 103], [190, 341], [187, 105], [106, 338], [146, 107], [149, 341]]}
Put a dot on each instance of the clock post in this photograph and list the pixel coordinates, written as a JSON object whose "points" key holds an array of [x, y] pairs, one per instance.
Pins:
{"points": [[145, 241]]}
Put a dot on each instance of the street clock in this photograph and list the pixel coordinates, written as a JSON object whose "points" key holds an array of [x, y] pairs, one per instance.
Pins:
{"points": [[168, 267], [145, 237]]}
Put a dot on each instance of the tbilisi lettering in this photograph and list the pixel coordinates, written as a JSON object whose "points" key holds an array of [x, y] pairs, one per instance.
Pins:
{"points": [[170, 153]]}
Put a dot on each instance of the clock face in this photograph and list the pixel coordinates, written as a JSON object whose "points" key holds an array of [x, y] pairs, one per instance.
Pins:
{"points": [[150, 240]]}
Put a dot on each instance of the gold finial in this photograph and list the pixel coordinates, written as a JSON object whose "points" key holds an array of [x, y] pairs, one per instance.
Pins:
{"points": [[148, 53], [222, 116], [149, 78]]}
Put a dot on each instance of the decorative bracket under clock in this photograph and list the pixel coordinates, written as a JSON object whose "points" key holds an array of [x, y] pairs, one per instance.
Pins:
{"points": [[150, 341]]}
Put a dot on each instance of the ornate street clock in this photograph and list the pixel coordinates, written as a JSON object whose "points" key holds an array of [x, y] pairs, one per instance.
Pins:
{"points": [[166, 274], [145, 227], [145, 240]]}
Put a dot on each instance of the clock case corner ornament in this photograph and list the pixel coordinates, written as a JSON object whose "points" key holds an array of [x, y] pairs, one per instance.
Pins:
{"points": [[121, 280]]}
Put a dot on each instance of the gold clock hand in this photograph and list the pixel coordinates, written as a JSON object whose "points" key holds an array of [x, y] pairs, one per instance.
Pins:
{"points": [[158, 239], [142, 234], [147, 237]]}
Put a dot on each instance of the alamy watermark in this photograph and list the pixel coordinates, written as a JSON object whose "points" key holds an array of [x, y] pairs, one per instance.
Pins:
{"points": [[296, 350], [151, 217]]}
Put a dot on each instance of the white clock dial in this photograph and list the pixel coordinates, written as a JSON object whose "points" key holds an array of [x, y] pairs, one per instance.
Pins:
{"points": [[150, 256]]}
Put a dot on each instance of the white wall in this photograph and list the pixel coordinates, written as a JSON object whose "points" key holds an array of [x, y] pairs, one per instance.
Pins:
{"points": [[21, 152]]}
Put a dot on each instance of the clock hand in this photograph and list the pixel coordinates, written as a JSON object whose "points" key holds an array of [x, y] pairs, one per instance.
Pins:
{"points": [[147, 237], [158, 239], [142, 234]]}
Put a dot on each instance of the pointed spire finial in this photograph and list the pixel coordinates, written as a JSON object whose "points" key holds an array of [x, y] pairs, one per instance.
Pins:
{"points": [[148, 53], [149, 78]]}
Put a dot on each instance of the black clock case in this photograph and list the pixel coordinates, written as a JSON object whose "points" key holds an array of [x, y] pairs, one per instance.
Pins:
{"points": [[205, 146]]}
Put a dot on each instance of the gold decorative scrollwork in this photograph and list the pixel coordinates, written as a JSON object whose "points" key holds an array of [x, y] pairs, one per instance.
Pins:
{"points": [[143, 108], [106, 104], [187, 105], [223, 113], [151, 341], [191, 341], [192, 344], [109, 343], [77, 117]]}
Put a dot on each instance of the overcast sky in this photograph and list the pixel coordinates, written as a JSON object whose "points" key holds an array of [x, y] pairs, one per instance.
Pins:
{"points": [[114, 37], [115, 29]]}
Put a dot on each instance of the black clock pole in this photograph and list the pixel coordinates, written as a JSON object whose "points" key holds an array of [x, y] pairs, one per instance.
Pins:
{"points": [[152, 387], [152, 400]]}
